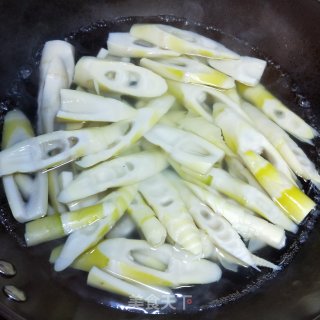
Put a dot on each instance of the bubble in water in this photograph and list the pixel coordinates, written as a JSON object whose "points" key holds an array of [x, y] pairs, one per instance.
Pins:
{"points": [[310, 224], [294, 88], [303, 102], [303, 237], [25, 72], [5, 105]]}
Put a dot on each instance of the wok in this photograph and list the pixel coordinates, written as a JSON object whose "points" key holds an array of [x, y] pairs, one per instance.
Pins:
{"points": [[284, 32]]}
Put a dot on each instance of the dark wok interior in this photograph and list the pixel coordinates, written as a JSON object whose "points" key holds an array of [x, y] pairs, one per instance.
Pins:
{"points": [[282, 31]]}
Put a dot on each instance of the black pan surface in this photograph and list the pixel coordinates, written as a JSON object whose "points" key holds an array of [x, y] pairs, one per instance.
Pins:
{"points": [[281, 31]]}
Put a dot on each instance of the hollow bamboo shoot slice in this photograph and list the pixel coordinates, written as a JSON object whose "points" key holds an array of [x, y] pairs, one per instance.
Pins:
{"points": [[172, 213], [182, 41], [188, 71], [247, 70], [58, 49], [278, 112], [81, 240], [84, 106], [250, 197], [17, 128], [185, 147], [123, 44], [118, 172], [100, 143], [181, 266], [107, 281], [56, 72], [241, 136], [201, 100], [144, 120], [289, 150], [283, 192], [57, 226], [216, 226], [122, 77], [147, 222], [242, 220]]}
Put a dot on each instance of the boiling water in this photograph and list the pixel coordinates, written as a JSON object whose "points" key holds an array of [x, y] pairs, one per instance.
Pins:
{"points": [[232, 286]]}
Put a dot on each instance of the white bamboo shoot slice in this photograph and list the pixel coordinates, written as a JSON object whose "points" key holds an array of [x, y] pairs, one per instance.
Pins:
{"points": [[182, 41], [123, 44], [188, 71], [122, 77], [84, 106], [247, 70]]}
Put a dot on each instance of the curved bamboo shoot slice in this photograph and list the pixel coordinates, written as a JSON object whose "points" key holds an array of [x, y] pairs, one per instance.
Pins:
{"points": [[201, 100], [57, 49], [182, 267], [123, 44], [283, 192], [250, 197], [241, 136], [182, 41], [242, 220], [218, 229], [289, 150], [247, 70], [108, 281], [56, 72], [123, 77], [83, 239], [136, 127], [172, 213], [84, 106], [185, 147], [147, 222], [188, 71], [205, 129], [16, 129], [278, 112], [117, 172], [239, 171]]}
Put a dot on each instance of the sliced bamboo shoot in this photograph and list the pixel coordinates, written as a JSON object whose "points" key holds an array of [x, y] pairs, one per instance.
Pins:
{"points": [[123, 77], [278, 112], [283, 192], [172, 213], [84, 106], [123, 44], [118, 172], [188, 71], [182, 41], [185, 147], [247, 70]]}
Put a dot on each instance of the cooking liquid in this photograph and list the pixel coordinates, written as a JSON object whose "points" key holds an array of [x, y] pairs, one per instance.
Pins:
{"points": [[233, 285]]}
